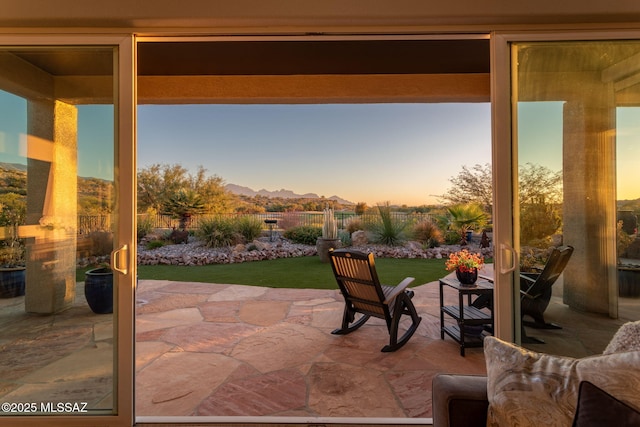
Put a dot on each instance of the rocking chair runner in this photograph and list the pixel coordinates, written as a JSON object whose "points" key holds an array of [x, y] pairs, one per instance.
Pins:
{"points": [[356, 275]]}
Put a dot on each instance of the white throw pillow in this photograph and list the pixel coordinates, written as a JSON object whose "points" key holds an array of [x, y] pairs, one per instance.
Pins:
{"points": [[626, 339]]}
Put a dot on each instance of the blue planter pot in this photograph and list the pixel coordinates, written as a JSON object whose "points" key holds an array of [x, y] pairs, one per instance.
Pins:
{"points": [[12, 282], [98, 290]]}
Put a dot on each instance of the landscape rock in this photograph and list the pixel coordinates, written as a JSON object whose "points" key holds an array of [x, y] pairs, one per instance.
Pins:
{"points": [[196, 253], [359, 238]]}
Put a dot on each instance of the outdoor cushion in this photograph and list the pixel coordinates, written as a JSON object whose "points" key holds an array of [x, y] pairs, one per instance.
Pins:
{"points": [[526, 388]]}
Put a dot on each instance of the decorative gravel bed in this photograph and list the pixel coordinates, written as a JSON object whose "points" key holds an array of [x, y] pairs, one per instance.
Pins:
{"points": [[194, 253]]}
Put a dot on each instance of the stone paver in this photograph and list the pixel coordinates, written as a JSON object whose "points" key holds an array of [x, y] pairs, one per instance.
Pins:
{"points": [[285, 360], [263, 313], [253, 396], [346, 390], [281, 346], [233, 350], [176, 382]]}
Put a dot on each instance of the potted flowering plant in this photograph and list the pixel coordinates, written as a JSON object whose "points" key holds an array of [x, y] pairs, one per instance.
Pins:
{"points": [[466, 265]]}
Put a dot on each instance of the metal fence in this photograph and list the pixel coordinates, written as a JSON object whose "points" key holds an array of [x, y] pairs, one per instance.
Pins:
{"points": [[286, 220], [90, 223], [283, 220]]}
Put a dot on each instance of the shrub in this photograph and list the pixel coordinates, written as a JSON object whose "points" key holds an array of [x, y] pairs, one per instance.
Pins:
{"points": [[179, 236], [155, 244], [289, 220], [218, 232], [388, 230], [345, 238], [354, 224], [538, 221], [452, 237], [144, 226], [249, 227], [101, 243], [427, 232], [303, 234]]}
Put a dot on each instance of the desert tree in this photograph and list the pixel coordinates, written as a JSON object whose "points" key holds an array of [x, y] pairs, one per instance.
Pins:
{"points": [[475, 185], [361, 207], [159, 184], [471, 185], [539, 196]]}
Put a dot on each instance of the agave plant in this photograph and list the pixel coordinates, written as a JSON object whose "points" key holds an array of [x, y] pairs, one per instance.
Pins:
{"points": [[389, 230]]}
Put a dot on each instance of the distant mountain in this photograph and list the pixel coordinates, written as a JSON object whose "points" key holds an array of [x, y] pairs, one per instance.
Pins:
{"points": [[13, 167], [284, 194]]}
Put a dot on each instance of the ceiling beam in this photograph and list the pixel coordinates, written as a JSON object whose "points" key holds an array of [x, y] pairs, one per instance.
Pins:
{"points": [[313, 89]]}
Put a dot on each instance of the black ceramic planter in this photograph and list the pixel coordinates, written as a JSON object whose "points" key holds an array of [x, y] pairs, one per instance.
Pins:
{"points": [[98, 290], [467, 277], [629, 282], [12, 282]]}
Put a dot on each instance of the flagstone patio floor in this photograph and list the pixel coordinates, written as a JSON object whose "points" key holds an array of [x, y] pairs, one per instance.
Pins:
{"points": [[222, 350], [232, 350]]}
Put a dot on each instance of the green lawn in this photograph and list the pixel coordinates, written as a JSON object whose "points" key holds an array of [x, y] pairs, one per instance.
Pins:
{"points": [[302, 272]]}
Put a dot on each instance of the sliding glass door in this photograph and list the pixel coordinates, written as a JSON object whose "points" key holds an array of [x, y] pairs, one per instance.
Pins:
{"points": [[66, 173], [574, 180]]}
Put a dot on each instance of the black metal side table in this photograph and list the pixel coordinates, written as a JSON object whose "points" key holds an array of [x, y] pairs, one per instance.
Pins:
{"points": [[465, 315]]}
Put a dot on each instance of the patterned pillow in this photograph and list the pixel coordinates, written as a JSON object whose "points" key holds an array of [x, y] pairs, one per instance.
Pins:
{"points": [[526, 388], [626, 339]]}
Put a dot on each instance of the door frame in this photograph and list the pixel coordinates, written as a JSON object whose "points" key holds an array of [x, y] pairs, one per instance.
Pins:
{"points": [[505, 165], [125, 174]]}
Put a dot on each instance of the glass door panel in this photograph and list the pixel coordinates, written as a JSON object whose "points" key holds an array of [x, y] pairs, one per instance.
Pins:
{"points": [[60, 223], [575, 137]]}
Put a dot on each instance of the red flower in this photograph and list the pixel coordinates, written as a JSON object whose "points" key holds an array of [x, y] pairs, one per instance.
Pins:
{"points": [[464, 261]]}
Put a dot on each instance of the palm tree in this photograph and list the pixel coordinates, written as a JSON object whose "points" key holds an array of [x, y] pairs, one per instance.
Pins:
{"points": [[183, 204], [466, 217]]}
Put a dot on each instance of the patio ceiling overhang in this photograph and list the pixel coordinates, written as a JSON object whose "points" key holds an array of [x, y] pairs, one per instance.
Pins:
{"points": [[304, 72], [301, 71], [619, 67], [307, 71]]}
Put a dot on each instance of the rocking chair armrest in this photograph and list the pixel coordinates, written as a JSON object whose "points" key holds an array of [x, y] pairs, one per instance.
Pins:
{"points": [[528, 295], [400, 288], [527, 278]]}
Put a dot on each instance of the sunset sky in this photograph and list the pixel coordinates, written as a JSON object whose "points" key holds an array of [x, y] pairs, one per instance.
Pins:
{"points": [[400, 153]]}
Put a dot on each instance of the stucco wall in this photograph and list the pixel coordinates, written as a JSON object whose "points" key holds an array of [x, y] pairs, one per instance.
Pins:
{"points": [[313, 15]]}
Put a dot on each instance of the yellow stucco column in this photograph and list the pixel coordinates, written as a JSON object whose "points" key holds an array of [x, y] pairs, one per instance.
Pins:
{"points": [[51, 206], [589, 209]]}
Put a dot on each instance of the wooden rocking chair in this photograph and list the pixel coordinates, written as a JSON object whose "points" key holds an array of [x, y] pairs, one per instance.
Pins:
{"points": [[356, 275]]}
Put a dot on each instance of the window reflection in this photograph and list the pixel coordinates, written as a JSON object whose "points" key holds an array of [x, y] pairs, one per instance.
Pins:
{"points": [[56, 206], [573, 127]]}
